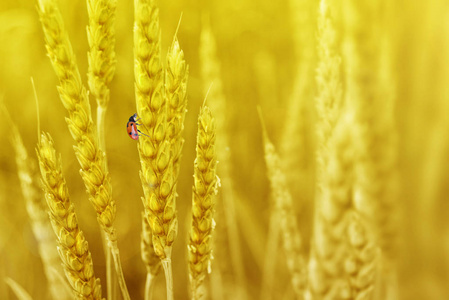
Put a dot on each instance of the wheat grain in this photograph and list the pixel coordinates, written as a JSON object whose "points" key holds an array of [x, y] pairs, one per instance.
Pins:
{"points": [[74, 97], [203, 202], [72, 246]]}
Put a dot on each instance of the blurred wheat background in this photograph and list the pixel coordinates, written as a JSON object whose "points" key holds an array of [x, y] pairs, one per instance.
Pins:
{"points": [[343, 195]]}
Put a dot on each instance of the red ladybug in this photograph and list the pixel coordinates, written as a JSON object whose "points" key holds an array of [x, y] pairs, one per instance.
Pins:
{"points": [[131, 127]]}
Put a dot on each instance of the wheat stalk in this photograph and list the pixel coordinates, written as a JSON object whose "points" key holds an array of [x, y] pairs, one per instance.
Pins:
{"points": [[150, 259], [291, 237], [72, 246], [74, 97], [18, 290], [210, 73], [203, 202]]}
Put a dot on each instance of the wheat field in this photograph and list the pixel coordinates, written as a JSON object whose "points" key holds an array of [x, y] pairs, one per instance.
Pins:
{"points": [[284, 150]]}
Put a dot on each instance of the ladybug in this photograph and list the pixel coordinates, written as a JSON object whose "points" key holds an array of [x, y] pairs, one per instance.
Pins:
{"points": [[131, 127]]}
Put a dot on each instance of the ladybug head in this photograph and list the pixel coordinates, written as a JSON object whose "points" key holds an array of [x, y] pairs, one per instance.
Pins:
{"points": [[133, 118]]}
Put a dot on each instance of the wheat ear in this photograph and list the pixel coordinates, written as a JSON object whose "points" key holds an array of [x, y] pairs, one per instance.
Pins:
{"points": [[210, 73], [37, 212], [101, 56], [373, 97], [203, 202], [157, 174], [72, 246], [333, 198], [75, 99], [291, 237], [149, 258]]}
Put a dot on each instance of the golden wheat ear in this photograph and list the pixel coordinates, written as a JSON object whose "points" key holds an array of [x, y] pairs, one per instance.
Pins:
{"points": [[72, 246], [203, 203], [156, 155], [38, 213]]}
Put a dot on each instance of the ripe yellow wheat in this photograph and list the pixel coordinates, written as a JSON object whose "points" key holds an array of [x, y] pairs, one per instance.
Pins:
{"points": [[347, 200], [73, 248], [203, 204]]}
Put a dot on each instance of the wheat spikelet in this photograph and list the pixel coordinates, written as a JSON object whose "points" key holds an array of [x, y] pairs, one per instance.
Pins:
{"points": [[291, 237], [72, 246], [176, 96], [361, 263], [37, 212], [210, 73], [203, 202], [75, 99], [149, 258]]}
